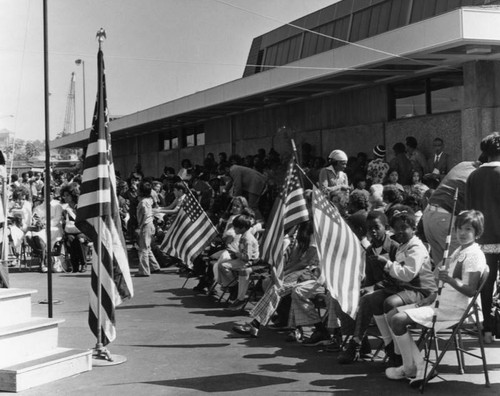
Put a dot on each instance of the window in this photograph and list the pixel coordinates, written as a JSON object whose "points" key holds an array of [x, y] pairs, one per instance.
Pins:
{"points": [[169, 143], [436, 94], [190, 140], [194, 136]]}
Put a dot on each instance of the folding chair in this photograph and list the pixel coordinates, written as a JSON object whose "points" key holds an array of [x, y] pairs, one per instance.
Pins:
{"points": [[258, 273], [430, 337]]}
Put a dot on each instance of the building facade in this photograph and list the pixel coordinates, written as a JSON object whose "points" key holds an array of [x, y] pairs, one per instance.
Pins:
{"points": [[350, 76]]}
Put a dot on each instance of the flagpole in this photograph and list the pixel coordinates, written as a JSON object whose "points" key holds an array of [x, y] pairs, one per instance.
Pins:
{"points": [[47, 161], [4, 270], [295, 154], [100, 350], [101, 356]]}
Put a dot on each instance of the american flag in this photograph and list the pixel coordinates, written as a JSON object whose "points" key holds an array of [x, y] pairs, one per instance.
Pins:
{"points": [[98, 217], [289, 209], [190, 232], [340, 254]]}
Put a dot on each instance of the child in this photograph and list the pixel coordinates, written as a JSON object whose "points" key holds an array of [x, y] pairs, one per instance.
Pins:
{"points": [[409, 278], [461, 280], [380, 245], [393, 178], [170, 212], [247, 254], [146, 232]]}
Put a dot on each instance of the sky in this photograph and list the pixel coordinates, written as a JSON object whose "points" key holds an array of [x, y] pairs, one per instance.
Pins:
{"points": [[155, 51]]}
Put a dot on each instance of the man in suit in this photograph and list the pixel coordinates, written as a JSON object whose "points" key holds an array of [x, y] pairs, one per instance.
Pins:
{"points": [[247, 182], [437, 165]]}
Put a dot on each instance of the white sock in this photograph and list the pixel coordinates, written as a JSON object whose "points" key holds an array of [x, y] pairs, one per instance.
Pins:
{"points": [[417, 356], [393, 336], [383, 327], [405, 346]]}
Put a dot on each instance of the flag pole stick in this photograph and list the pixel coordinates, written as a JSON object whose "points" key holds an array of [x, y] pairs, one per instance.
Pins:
{"points": [[47, 160], [4, 270], [444, 266], [295, 154], [100, 350]]}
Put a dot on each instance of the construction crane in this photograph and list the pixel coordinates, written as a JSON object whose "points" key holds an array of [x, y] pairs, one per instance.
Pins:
{"points": [[70, 116]]}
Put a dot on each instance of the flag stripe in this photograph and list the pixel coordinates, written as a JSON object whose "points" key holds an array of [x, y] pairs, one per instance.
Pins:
{"points": [[289, 210], [190, 232], [341, 257], [98, 218]]}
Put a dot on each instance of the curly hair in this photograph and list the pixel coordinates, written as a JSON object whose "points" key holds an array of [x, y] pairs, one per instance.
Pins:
{"points": [[359, 199], [73, 189], [491, 144], [20, 192]]}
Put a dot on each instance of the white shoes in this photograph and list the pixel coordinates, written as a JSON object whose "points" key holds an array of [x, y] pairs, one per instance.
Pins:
{"points": [[488, 337], [398, 373], [419, 377]]}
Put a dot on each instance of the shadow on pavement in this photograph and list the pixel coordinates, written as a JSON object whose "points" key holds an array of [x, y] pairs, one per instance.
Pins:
{"points": [[184, 346], [224, 383]]}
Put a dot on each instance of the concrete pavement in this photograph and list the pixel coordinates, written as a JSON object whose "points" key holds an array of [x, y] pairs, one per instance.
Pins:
{"points": [[179, 343]]}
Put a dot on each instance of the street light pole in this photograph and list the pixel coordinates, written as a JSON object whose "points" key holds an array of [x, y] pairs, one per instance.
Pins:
{"points": [[82, 62]]}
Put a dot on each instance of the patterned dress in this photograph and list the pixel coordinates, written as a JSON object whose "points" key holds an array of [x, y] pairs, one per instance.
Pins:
{"points": [[377, 171]]}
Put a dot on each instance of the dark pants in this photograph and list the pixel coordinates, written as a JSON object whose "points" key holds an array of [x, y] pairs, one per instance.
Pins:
{"points": [[487, 293], [76, 250]]}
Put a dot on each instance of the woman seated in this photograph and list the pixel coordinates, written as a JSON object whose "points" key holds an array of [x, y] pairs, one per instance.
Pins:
{"points": [[461, 281], [19, 216], [36, 236], [76, 241]]}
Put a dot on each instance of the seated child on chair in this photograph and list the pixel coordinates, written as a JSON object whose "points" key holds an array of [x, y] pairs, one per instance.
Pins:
{"points": [[241, 260], [460, 282]]}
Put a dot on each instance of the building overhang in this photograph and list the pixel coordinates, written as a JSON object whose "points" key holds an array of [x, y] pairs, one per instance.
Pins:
{"points": [[442, 43]]}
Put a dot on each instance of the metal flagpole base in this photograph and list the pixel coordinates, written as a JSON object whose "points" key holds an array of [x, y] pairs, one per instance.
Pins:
{"points": [[102, 357], [55, 302]]}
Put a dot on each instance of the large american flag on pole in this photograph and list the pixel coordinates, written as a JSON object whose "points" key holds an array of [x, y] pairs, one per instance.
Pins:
{"points": [[289, 209], [190, 232], [340, 253], [98, 217]]}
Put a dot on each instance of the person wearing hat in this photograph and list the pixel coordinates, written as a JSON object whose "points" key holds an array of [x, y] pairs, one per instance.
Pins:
{"points": [[377, 168], [333, 179]]}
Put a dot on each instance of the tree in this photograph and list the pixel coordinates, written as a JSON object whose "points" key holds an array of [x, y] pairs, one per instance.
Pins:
{"points": [[31, 150]]}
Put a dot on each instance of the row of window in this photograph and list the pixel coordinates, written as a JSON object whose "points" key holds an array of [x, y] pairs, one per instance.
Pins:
{"points": [[382, 17], [190, 137], [431, 95]]}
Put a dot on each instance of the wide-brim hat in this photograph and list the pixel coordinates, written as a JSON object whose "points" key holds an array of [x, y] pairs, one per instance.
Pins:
{"points": [[379, 151]]}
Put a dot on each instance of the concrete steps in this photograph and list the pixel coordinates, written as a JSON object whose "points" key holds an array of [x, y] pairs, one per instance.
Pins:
{"points": [[30, 355]]}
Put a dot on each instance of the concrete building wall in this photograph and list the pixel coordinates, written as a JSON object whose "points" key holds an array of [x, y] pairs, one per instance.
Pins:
{"points": [[481, 112], [425, 129], [354, 121]]}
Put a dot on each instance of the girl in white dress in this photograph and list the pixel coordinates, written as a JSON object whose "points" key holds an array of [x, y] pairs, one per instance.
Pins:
{"points": [[460, 282]]}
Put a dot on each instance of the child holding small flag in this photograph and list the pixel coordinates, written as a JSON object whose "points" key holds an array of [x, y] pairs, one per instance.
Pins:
{"points": [[146, 231]]}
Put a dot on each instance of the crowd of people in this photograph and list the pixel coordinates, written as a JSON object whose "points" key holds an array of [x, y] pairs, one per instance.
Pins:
{"points": [[400, 210]]}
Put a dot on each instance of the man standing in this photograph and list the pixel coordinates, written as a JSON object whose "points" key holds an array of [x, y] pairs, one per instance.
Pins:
{"points": [[437, 165], [247, 182], [482, 192], [438, 213]]}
